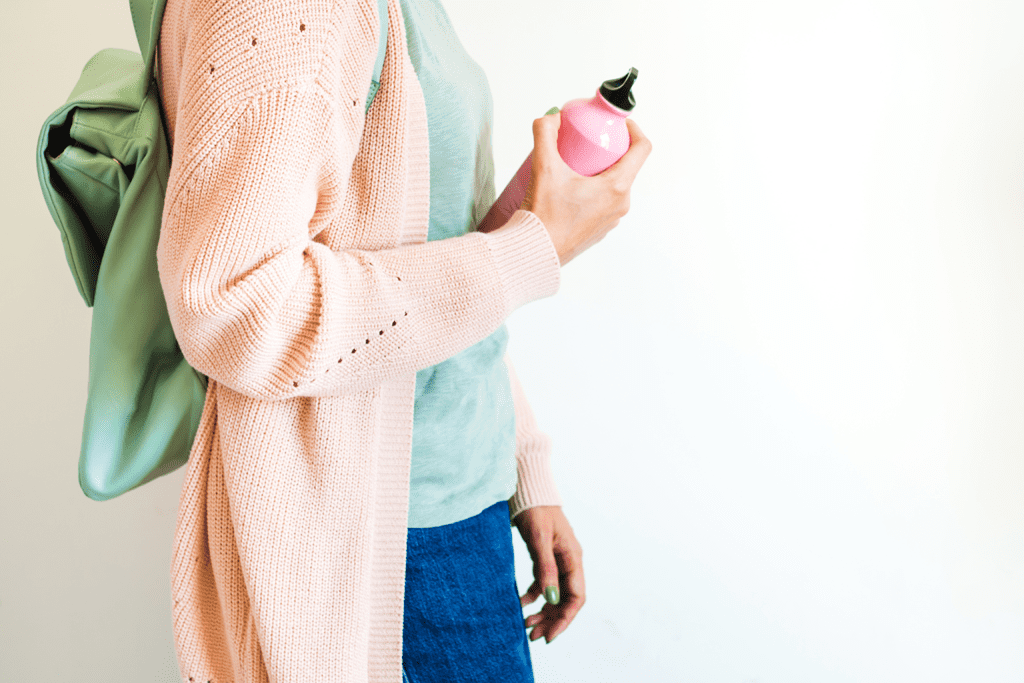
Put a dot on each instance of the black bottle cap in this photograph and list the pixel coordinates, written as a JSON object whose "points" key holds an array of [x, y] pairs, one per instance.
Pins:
{"points": [[617, 91]]}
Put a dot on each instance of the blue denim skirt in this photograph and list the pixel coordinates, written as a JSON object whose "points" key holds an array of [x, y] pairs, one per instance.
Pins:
{"points": [[463, 621]]}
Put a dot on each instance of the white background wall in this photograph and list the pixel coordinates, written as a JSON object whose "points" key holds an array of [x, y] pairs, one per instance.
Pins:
{"points": [[786, 393]]}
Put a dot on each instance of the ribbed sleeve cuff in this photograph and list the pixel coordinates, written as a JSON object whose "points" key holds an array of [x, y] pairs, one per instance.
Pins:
{"points": [[536, 485], [536, 482], [525, 257]]}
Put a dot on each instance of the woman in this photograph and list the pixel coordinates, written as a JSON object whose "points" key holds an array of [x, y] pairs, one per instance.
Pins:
{"points": [[346, 506]]}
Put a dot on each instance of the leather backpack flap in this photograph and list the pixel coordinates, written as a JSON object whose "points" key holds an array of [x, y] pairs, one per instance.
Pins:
{"points": [[86, 155]]}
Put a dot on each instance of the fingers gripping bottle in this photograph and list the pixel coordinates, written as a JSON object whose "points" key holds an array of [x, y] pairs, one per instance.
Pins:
{"points": [[591, 138]]}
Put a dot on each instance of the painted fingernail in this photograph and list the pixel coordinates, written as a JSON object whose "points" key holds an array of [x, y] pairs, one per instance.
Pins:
{"points": [[551, 595]]}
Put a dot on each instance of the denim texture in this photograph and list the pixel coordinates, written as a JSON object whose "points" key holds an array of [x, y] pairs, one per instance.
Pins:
{"points": [[463, 621]]}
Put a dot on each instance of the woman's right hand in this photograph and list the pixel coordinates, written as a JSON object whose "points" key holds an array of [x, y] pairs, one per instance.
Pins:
{"points": [[577, 210]]}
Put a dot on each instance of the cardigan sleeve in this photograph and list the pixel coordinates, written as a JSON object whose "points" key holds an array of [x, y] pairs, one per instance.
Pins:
{"points": [[264, 147], [535, 482]]}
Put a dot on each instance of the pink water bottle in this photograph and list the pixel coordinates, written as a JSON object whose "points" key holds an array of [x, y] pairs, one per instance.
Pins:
{"points": [[592, 137]]}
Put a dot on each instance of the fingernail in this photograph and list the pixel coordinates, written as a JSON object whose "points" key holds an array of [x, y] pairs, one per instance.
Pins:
{"points": [[551, 111], [551, 595]]}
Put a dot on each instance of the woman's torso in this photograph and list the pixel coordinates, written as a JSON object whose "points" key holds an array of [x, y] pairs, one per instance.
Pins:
{"points": [[463, 457]]}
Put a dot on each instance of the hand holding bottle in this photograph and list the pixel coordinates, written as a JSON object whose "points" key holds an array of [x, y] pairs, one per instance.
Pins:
{"points": [[577, 210]]}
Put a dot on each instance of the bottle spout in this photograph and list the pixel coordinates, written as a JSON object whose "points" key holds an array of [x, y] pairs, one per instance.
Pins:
{"points": [[618, 90]]}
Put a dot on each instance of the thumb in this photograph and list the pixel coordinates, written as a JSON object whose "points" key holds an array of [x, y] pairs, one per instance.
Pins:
{"points": [[545, 137]]}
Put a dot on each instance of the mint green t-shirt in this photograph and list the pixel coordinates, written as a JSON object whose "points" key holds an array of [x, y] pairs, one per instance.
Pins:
{"points": [[463, 440]]}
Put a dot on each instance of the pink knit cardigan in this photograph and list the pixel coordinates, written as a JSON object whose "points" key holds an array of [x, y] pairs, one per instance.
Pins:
{"points": [[294, 261]]}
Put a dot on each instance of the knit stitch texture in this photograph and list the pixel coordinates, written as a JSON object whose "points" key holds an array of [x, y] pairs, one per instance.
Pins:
{"points": [[298, 278]]}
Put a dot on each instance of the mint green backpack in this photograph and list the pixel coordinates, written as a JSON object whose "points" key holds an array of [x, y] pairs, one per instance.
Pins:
{"points": [[103, 160]]}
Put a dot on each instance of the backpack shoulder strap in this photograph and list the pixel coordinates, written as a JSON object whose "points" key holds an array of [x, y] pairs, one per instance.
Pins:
{"points": [[147, 15]]}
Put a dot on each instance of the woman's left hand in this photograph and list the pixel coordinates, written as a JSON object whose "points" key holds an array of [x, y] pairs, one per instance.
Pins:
{"points": [[557, 569]]}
